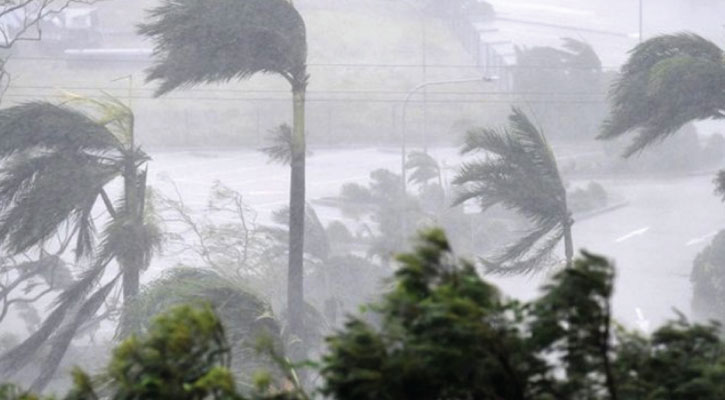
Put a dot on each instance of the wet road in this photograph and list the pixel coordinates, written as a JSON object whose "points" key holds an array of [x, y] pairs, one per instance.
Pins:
{"points": [[653, 240]]}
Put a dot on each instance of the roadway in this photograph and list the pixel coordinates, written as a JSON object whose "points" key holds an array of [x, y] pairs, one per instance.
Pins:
{"points": [[653, 240]]}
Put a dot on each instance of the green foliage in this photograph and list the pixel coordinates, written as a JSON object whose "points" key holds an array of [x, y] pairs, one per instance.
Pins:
{"points": [[572, 321], [680, 361], [245, 316], [12, 392], [441, 332], [668, 81], [520, 173], [184, 355], [445, 334], [708, 281]]}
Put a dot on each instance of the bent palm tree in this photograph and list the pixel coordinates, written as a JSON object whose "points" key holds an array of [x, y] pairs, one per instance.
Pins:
{"points": [[198, 41], [58, 161], [520, 173], [667, 82]]}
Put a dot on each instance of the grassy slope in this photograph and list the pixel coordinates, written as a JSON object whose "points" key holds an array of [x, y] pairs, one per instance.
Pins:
{"points": [[350, 32]]}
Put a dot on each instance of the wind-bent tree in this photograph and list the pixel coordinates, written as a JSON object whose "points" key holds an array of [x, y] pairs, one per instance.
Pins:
{"points": [[667, 82], [58, 161], [197, 41], [520, 173], [573, 72]]}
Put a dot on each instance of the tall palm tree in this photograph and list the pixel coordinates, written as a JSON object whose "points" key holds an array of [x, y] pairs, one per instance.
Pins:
{"points": [[667, 82], [58, 161], [198, 41], [520, 173]]}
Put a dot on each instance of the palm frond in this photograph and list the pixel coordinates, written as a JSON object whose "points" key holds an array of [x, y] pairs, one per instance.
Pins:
{"points": [[525, 256], [42, 124], [197, 41], [519, 173], [40, 194], [83, 285], [64, 336], [668, 81], [128, 241], [524, 175], [581, 55], [494, 141], [280, 148], [535, 145], [109, 112], [316, 242], [424, 167], [719, 182], [19, 356]]}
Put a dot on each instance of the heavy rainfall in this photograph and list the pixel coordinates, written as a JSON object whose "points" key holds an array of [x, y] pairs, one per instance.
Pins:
{"points": [[362, 199]]}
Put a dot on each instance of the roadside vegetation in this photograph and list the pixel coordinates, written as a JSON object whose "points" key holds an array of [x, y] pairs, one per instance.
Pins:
{"points": [[380, 292]]}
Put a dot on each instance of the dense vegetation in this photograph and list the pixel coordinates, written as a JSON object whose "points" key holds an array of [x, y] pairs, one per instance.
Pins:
{"points": [[441, 332], [231, 319]]}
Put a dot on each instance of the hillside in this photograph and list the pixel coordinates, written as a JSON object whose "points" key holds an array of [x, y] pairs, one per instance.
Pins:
{"points": [[363, 55]]}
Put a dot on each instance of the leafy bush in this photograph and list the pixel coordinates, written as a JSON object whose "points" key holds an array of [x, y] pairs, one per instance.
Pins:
{"points": [[442, 333], [708, 281]]}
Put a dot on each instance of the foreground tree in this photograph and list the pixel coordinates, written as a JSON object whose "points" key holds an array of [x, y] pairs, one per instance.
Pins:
{"points": [[58, 162], [520, 173], [202, 42], [441, 332]]}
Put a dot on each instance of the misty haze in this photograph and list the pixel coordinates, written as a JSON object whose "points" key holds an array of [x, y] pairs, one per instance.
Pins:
{"points": [[362, 199]]}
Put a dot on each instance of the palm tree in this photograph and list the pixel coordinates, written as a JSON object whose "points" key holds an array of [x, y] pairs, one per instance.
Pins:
{"points": [[520, 173], [199, 41], [246, 316], [667, 82], [58, 161]]}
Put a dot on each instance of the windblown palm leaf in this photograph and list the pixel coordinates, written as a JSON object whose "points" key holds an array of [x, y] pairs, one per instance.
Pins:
{"points": [[57, 161], [581, 55], [520, 173], [719, 182], [424, 167], [316, 243], [197, 41], [279, 149], [668, 81]]}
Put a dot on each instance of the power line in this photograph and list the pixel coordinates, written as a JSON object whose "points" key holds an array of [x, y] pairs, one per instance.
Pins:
{"points": [[312, 92], [327, 100], [324, 65]]}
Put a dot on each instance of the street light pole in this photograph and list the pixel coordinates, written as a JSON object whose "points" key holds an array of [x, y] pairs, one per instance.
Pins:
{"points": [[403, 145]]}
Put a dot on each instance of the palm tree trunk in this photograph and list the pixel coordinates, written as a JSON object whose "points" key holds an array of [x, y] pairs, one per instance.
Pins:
{"points": [[130, 266], [295, 278], [568, 242]]}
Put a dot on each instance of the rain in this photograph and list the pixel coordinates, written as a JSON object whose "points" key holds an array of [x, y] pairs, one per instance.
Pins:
{"points": [[317, 176]]}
